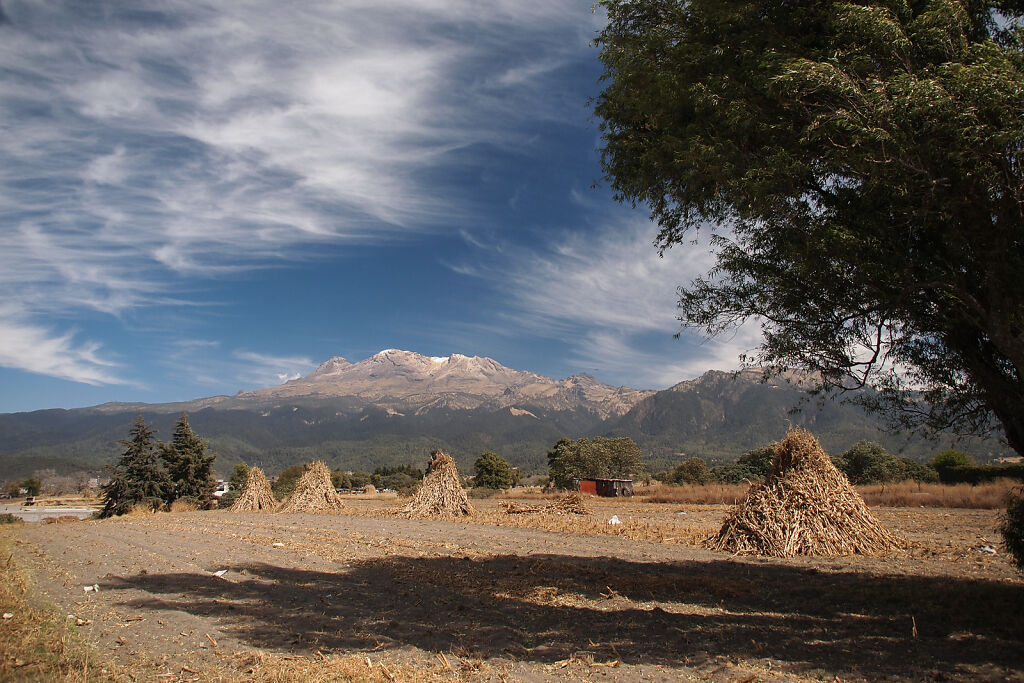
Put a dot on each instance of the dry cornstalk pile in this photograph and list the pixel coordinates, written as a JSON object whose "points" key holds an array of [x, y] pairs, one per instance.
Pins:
{"points": [[256, 494], [370, 488], [805, 506], [571, 504], [314, 492], [441, 494]]}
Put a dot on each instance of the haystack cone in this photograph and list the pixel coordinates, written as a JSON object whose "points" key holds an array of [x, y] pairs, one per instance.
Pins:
{"points": [[805, 506], [256, 494], [441, 494], [314, 492]]}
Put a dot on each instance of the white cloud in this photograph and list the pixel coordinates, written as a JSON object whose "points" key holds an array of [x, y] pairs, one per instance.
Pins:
{"points": [[262, 369], [608, 295], [41, 350], [217, 138]]}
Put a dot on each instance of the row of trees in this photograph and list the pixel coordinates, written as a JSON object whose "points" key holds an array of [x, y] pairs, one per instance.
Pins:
{"points": [[156, 474], [866, 462]]}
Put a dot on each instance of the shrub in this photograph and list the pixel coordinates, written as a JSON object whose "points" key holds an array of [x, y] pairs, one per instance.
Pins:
{"points": [[735, 474], [494, 472], [976, 474], [758, 461], [185, 504], [8, 518], [690, 471], [915, 471], [286, 481], [1012, 527], [950, 458], [868, 462]]}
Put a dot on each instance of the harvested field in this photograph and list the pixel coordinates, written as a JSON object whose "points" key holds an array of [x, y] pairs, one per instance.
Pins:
{"points": [[524, 597]]}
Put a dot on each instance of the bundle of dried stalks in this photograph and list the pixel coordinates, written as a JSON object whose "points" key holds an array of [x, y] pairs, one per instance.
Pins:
{"points": [[805, 506], [370, 489], [314, 492], [256, 494], [441, 494], [571, 504]]}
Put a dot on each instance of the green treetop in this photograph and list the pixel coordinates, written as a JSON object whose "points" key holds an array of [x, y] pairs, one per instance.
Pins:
{"points": [[138, 476], [600, 457], [189, 466], [494, 472], [860, 169]]}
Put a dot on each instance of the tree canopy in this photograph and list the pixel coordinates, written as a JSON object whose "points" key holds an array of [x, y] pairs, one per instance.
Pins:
{"points": [[494, 472], [138, 477], [860, 170], [189, 466], [600, 457]]}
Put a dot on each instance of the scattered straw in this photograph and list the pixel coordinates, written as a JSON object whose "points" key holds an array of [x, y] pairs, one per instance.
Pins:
{"points": [[441, 494], [571, 504], [314, 492], [805, 506], [256, 494]]}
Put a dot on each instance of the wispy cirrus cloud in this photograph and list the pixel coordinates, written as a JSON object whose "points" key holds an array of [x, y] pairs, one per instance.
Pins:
{"points": [[39, 349], [609, 296], [145, 147]]}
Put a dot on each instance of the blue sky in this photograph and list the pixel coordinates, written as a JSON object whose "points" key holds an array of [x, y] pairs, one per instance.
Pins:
{"points": [[200, 198]]}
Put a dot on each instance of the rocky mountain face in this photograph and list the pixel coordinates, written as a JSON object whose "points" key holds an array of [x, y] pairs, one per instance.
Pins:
{"points": [[369, 413], [407, 382], [395, 406]]}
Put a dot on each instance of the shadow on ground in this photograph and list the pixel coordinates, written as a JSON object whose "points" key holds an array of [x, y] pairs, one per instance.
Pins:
{"points": [[546, 608]]}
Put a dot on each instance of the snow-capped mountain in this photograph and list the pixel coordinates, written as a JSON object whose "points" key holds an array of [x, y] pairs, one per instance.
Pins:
{"points": [[404, 380]]}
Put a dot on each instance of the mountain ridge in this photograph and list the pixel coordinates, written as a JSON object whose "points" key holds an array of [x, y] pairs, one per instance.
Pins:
{"points": [[395, 406]]}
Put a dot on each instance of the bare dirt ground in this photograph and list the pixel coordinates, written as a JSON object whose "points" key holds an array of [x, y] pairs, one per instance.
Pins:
{"points": [[530, 597]]}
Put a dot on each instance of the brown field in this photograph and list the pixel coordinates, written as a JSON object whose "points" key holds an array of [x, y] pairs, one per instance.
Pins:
{"points": [[366, 595]]}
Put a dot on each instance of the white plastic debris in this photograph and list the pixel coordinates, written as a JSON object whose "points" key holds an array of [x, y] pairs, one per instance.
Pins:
{"points": [[987, 549], [95, 588], [220, 572], [8, 615], [278, 545], [615, 520]]}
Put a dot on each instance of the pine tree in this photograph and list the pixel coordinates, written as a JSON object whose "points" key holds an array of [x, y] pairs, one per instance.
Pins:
{"points": [[189, 466], [137, 477]]}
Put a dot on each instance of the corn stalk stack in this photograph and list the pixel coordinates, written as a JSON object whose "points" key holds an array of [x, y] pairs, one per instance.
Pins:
{"points": [[805, 506], [441, 494], [314, 492], [256, 495]]}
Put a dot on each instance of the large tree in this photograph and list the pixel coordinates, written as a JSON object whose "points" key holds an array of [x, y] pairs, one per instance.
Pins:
{"points": [[138, 477], [600, 457], [859, 167], [189, 466]]}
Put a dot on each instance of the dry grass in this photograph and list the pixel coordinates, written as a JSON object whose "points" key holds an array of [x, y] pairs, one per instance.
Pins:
{"points": [[183, 506], [571, 504], [695, 494], [140, 510], [987, 496], [275, 668], [37, 644]]}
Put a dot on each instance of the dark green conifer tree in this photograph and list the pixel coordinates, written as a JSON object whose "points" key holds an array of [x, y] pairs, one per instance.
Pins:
{"points": [[137, 477], [189, 466]]}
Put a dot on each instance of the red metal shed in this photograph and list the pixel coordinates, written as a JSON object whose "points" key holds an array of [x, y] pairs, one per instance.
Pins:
{"points": [[607, 488]]}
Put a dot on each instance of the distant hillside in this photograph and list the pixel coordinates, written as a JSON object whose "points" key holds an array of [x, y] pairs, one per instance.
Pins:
{"points": [[396, 406], [391, 408], [722, 415]]}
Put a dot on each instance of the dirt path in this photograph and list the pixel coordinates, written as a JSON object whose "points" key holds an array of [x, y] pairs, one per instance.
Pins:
{"points": [[534, 604]]}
